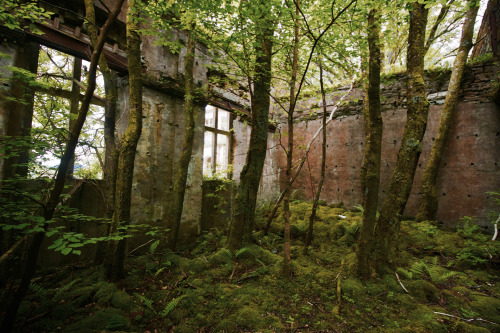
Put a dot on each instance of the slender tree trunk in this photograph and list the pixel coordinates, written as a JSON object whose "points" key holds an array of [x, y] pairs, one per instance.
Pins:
{"points": [[185, 158], [411, 144], [373, 148], [303, 160], [111, 152], [289, 153], [125, 171], [53, 201], [309, 234], [74, 104], [429, 205], [246, 196]]}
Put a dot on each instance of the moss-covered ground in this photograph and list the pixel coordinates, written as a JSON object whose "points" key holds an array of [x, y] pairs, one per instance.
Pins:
{"points": [[442, 281]]}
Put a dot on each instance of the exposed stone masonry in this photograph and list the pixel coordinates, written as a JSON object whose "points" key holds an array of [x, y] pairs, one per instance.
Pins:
{"points": [[470, 163]]}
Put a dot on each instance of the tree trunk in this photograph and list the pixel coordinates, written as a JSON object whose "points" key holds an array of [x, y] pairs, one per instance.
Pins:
{"points": [[246, 196], [310, 229], [53, 200], [185, 158], [74, 102], [304, 158], [411, 144], [111, 152], [373, 148], [289, 153], [429, 205], [125, 171]]}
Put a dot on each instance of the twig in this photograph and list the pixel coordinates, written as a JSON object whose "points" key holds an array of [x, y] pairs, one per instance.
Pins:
{"points": [[29, 197], [306, 153], [401, 283], [140, 247], [78, 83], [464, 319], [13, 248], [37, 317], [234, 270]]}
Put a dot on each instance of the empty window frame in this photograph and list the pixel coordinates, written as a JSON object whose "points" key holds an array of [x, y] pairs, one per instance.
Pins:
{"points": [[217, 143]]}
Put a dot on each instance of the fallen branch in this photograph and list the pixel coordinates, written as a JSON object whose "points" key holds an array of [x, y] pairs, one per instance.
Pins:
{"points": [[464, 319], [234, 270], [13, 248], [137, 248], [401, 283]]}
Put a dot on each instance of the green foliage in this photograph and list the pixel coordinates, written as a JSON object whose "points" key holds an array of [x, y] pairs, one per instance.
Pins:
{"points": [[39, 290], [431, 270], [211, 287], [153, 246], [146, 301], [17, 14], [171, 305]]}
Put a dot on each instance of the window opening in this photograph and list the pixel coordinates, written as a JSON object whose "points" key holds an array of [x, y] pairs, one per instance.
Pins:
{"points": [[216, 151], [52, 118]]}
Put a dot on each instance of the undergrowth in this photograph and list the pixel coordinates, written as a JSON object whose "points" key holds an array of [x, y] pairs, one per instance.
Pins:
{"points": [[442, 281]]}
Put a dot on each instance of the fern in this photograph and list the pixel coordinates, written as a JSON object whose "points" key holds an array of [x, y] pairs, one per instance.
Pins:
{"points": [[445, 276], [159, 271], [39, 290], [419, 268], [240, 251], [148, 302], [153, 246], [352, 228], [66, 287], [171, 305], [433, 270], [115, 322]]}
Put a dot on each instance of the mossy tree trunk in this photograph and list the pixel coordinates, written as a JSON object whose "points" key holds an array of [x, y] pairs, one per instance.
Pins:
{"points": [[111, 152], [49, 208], [187, 148], [115, 255], [246, 194], [411, 145], [429, 205], [373, 148], [289, 152], [74, 102]]}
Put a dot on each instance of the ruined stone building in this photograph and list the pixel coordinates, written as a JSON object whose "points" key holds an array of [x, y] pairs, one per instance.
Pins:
{"points": [[470, 167]]}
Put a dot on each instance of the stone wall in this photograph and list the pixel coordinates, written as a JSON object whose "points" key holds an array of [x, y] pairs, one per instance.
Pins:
{"points": [[156, 160], [162, 138], [469, 167], [269, 184]]}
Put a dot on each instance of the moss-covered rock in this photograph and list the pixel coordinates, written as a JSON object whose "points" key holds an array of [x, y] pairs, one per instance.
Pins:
{"points": [[486, 307], [121, 300], [248, 317], [104, 292], [256, 255], [352, 288], [423, 291], [221, 257], [461, 327]]}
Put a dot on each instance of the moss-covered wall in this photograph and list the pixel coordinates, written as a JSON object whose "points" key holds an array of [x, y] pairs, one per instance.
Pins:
{"points": [[470, 165]]}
